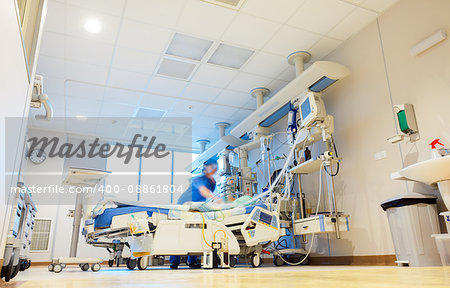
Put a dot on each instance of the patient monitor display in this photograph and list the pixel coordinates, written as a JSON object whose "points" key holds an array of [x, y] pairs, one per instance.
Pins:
{"points": [[311, 109]]}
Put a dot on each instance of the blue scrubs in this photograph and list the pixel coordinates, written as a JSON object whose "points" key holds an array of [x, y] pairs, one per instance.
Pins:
{"points": [[192, 194]]}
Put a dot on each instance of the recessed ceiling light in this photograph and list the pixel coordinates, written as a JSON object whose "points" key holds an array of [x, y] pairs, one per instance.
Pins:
{"points": [[230, 56], [92, 26], [188, 46], [81, 117], [175, 68]]}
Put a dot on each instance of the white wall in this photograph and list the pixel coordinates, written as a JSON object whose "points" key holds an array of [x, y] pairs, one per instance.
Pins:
{"points": [[364, 119], [14, 97]]}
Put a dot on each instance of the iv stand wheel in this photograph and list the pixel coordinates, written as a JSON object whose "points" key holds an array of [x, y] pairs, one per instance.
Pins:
{"points": [[256, 260], [142, 263], [111, 262], [95, 267], [233, 261], [278, 261], [131, 263], [57, 268], [84, 266], [50, 267]]}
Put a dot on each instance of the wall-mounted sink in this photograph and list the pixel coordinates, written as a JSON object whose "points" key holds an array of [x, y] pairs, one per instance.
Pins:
{"points": [[433, 171]]}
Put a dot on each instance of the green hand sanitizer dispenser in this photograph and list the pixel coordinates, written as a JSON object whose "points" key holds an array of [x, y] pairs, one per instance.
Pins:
{"points": [[406, 122]]}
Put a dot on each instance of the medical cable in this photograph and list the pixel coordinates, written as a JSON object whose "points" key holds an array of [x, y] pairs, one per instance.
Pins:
{"points": [[203, 228], [313, 234]]}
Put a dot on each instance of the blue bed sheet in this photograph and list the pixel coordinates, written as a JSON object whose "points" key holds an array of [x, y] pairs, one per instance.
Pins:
{"points": [[104, 220]]}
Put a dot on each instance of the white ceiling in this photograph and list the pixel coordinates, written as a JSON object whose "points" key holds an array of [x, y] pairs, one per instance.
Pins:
{"points": [[78, 65]]}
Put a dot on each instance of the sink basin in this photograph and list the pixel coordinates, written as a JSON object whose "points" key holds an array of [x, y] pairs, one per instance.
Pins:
{"points": [[433, 171]]}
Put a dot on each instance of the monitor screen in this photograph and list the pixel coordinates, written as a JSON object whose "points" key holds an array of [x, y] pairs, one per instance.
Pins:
{"points": [[305, 108], [265, 218]]}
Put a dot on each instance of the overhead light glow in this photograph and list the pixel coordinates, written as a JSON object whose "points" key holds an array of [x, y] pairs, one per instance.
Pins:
{"points": [[92, 26], [81, 117]]}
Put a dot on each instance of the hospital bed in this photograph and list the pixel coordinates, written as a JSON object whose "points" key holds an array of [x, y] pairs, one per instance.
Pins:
{"points": [[217, 235]]}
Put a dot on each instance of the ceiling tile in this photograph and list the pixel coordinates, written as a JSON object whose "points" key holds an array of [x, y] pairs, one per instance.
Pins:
{"points": [[234, 98], [240, 114], [205, 132], [129, 80], [204, 19], [54, 21], [134, 61], [245, 82], [164, 13], [114, 7], [122, 96], [77, 104], [157, 102], [200, 92], [142, 36], [213, 75], [250, 31], [378, 5], [189, 107], [217, 111], [76, 18], [53, 85], [290, 39], [288, 74], [320, 16], [84, 91], [50, 66], [251, 104], [276, 85], [117, 110], [86, 72], [52, 44], [352, 24], [324, 47], [278, 11], [266, 64], [88, 51], [166, 86]]}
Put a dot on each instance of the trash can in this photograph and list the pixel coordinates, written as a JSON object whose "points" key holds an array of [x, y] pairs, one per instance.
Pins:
{"points": [[413, 218]]}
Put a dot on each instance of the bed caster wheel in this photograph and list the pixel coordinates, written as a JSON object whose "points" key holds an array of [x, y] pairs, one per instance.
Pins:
{"points": [[95, 267], [142, 263], [50, 268], [278, 261], [84, 266], [131, 263], [57, 268], [233, 261], [111, 263], [256, 261]]}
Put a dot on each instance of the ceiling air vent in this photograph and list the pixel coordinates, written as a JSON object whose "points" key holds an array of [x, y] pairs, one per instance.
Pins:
{"points": [[175, 68], [232, 4], [143, 112]]}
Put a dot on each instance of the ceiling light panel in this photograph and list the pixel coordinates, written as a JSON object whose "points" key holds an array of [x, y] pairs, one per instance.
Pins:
{"points": [[232, 4], [176, 68], [143, 112], [230, 56], [188, 47]]}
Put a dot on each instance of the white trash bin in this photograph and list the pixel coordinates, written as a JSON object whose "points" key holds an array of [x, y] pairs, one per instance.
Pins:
{"points": [[413, 218], [443, 245], [446, 216]]}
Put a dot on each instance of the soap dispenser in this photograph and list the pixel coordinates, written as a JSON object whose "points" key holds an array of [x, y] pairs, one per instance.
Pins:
{"points": [[434, 151]]}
